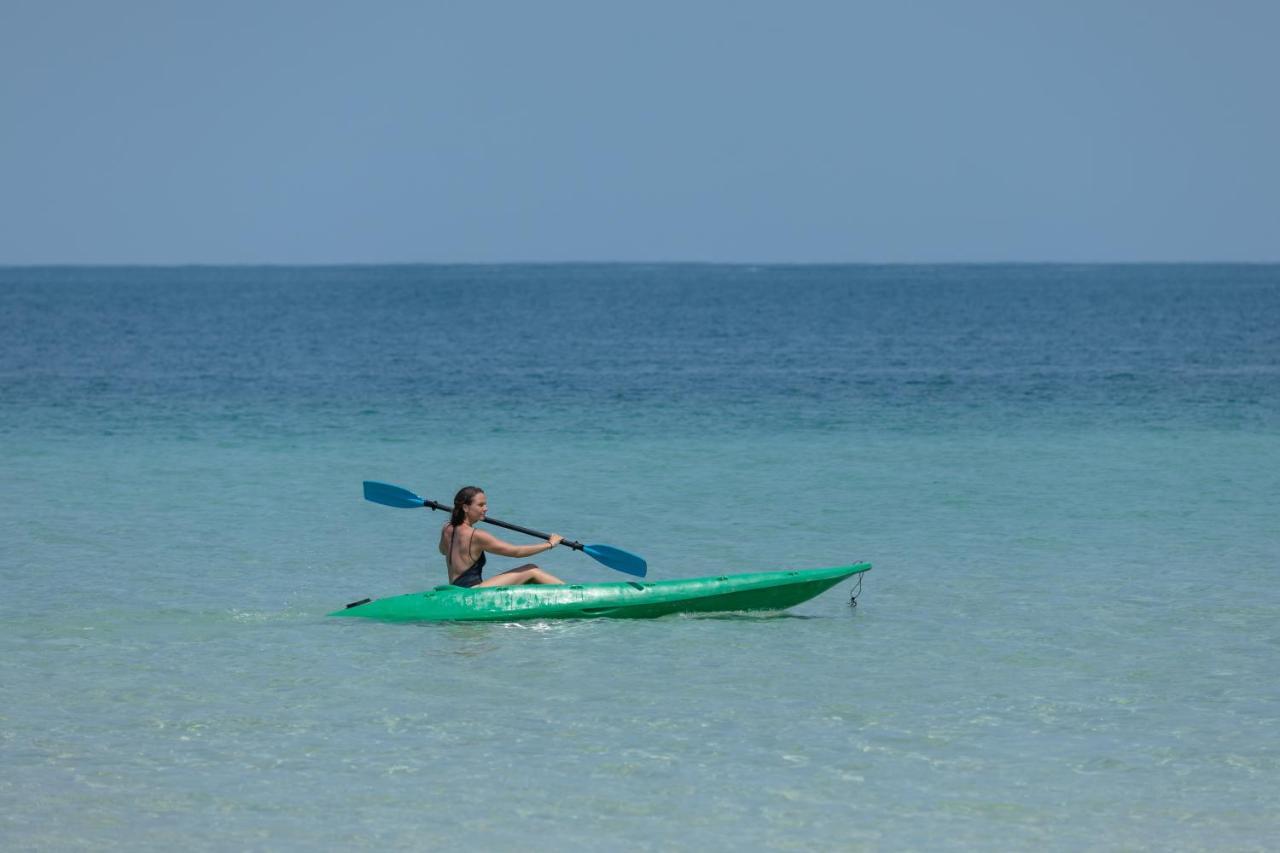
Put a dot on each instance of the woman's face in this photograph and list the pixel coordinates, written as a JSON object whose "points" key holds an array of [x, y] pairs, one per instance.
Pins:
{"points": [[478, 507]]}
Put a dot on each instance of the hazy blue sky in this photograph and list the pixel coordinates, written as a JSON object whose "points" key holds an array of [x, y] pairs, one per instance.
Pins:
{"points": [[312, 132]]}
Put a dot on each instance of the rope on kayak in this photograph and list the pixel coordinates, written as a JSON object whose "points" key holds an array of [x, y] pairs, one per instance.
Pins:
{"points": [[857, 590]]}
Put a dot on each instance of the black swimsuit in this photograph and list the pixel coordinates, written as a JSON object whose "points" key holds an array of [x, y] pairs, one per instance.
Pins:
{"points": [[471, 576]]}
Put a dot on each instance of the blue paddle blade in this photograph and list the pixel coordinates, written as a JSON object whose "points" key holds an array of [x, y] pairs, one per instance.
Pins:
{"points": [[616, 558], [389, 495]]}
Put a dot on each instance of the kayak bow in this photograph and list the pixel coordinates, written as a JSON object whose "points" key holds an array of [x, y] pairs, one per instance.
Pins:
{"points": [[632, 599]]}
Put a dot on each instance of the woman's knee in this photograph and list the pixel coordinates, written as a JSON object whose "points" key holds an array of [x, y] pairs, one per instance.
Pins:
{"points": [[525, 574], [530, 573]]}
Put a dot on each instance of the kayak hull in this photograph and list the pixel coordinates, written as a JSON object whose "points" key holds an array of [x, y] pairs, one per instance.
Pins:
{"points": [[628, 600]]}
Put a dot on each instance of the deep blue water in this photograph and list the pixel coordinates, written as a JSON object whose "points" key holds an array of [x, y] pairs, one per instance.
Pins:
{"points": [[1066, 477], [646, 349]]}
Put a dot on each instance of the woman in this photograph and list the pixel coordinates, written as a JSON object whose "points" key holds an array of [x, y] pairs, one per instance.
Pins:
{"points": [[464, 546]]}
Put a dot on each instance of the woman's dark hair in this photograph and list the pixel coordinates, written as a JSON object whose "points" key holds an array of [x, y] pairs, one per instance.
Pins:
{"points": [[461, 500]]}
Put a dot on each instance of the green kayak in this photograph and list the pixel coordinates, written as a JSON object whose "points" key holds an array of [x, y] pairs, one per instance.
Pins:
{"points": [[631, 599]]}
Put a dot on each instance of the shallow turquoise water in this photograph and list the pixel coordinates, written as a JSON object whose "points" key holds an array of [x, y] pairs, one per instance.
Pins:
{"points": [[1065, 477]]}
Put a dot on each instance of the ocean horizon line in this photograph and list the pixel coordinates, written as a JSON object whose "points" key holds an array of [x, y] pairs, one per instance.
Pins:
{"points": [[319, 265]]}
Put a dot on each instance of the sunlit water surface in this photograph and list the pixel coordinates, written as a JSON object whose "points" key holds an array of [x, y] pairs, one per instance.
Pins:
{"points": [[1066, 478]]}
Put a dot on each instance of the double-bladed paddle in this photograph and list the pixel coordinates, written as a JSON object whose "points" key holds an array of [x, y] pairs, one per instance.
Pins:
{"points": [[615, 558]]}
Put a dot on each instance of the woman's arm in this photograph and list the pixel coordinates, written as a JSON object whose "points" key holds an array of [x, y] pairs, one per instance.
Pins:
{"points": [[494, 545], [444, 547]]}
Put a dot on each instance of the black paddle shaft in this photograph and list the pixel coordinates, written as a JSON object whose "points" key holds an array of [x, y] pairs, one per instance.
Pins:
{"points": [[577, 546]]}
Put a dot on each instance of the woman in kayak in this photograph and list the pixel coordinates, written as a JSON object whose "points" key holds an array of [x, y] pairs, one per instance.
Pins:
{"points": [[464, 547]]}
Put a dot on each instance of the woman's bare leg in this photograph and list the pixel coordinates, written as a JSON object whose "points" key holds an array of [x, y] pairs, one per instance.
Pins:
{"points": [[528, 573]]}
